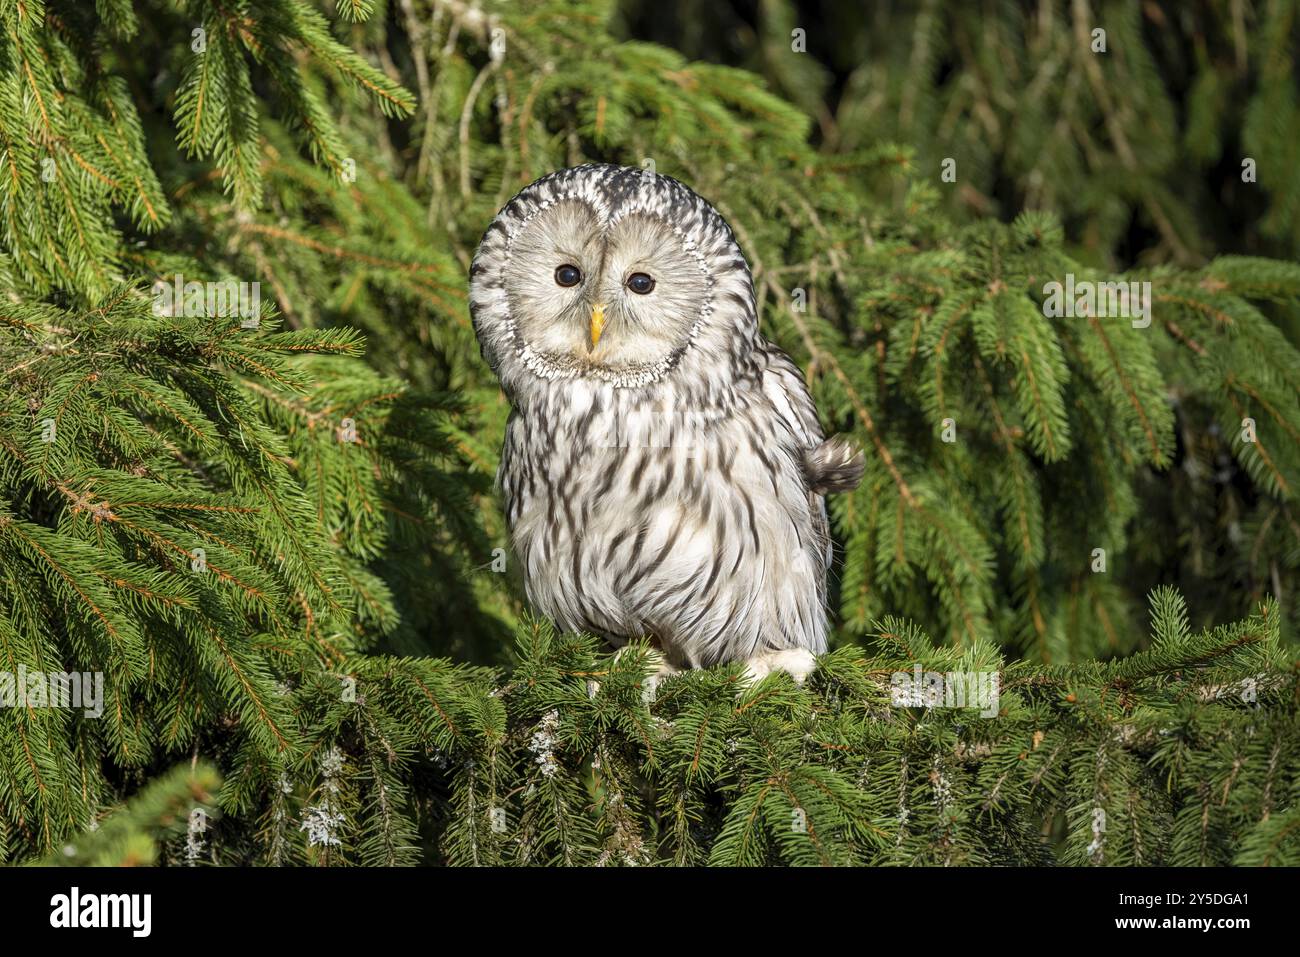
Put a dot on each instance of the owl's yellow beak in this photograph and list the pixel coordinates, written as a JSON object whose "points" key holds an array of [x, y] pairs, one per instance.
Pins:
{"points": [[597, 323]]}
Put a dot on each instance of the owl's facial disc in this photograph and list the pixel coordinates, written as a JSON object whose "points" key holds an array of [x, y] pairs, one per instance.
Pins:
{"points": [[615, 301]]}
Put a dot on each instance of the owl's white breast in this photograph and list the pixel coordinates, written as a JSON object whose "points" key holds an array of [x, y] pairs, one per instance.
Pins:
{"points": [[636, 512]]}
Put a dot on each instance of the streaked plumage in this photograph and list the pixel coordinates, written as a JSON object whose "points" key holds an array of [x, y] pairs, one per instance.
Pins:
{"points": [[663, 468]]}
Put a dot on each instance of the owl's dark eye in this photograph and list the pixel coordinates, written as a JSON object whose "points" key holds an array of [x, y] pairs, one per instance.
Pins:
{"points": [[640, 283], [567, 275]]}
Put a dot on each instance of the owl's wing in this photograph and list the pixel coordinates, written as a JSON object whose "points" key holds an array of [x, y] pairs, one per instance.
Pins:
{"points": [[784, 386], [829, 465]]}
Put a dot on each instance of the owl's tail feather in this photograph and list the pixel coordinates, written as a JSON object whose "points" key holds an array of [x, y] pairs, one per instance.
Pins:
{"points": [[834, 466]]}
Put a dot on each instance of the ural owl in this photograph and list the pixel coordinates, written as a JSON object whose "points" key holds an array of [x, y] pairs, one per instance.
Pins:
{"points": [[663, 469]]}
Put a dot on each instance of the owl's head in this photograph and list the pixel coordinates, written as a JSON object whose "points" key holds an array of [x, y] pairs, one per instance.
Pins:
{"points": [[610, 273]]}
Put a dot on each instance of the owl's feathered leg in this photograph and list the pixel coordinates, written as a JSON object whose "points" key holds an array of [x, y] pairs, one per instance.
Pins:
{"points": [[650, 685], [798, 663]]}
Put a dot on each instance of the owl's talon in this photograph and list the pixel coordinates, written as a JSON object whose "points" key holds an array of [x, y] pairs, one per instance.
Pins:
{"points": [[798, 663]]}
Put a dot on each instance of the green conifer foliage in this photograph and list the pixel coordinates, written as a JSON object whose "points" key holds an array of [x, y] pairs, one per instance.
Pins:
{"points": [[173, 804], [1133, 122], [260, 532], [1122, 763]]}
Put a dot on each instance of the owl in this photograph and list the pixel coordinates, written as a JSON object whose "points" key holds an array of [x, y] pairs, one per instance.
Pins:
{"points": [[664, 473]]}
